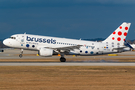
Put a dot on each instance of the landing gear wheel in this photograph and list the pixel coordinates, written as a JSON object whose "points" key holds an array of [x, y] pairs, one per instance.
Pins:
{"points": [[20, 55], [62, 59]]}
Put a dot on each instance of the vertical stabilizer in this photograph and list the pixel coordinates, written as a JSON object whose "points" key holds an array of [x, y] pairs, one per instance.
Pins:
{"points": [[119, 35]]}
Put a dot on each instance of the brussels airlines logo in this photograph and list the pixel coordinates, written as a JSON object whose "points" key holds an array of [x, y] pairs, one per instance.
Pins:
{"points": [[44, 40]]}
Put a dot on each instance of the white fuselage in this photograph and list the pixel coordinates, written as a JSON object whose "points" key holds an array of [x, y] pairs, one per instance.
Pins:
{"points": [[35, 42]]}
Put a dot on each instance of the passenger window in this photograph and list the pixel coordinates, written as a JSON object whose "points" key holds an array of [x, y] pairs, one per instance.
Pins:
{"points": [[80, 51]]}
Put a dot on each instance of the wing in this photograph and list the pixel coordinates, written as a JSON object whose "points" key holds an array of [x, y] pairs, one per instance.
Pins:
{"points": [[128, 45], [121, 49], [66, 49]]}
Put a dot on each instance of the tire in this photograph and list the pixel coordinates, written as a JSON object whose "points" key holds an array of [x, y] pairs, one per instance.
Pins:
{"points": [[20, 55], [62, 59]]}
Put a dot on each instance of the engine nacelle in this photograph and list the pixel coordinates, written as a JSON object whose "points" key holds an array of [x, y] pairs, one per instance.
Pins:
{"points": [[45, 52]]}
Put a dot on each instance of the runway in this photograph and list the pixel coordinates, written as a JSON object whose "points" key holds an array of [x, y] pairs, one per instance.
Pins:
{"points": [[10, 58], [82, 72], [66, 64]]}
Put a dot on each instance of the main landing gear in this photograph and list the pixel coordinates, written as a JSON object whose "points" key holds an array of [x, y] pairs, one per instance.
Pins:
{"points": [[62, 59], [20, 55]]}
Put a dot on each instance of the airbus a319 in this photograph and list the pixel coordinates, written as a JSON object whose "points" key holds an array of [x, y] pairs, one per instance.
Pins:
{"points": [[46, 46]]}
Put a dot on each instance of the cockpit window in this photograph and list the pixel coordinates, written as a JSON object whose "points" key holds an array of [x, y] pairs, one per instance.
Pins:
{"points": [[12, 37]]}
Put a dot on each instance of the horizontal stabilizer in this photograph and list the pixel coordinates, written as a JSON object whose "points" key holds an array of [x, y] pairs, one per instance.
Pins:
{"points": [[128, 45]]}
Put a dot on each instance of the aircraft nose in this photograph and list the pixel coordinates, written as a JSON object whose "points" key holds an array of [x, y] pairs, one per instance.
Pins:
{"points": [[5, 42]]}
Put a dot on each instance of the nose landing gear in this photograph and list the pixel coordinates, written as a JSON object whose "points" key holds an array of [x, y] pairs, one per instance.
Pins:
{"points": [[20, 55]]}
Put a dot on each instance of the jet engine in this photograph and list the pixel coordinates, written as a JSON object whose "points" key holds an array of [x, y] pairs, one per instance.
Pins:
{"points": [[45, 52]]}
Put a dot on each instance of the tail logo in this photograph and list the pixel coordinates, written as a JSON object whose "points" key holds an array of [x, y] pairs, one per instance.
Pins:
{"points": [[118, 38], [114, 32], [120, 33], [125, 34], [113, 38], [126, 28], [120, 27]]}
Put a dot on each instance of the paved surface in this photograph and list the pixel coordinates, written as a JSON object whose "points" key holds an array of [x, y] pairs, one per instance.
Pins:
{"points": [[67, 64], [14, 54], [77, 61]]}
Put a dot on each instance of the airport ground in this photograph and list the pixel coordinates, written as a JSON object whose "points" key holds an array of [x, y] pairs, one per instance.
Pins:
{"points": [[31, 56], [105, 75], [67, 78]]}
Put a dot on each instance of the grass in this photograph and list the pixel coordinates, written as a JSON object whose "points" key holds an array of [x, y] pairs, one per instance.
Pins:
{"points": [[67, 78]]}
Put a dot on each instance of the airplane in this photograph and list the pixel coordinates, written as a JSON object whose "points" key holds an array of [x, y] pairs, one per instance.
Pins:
{"points": [[46, 45]]}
